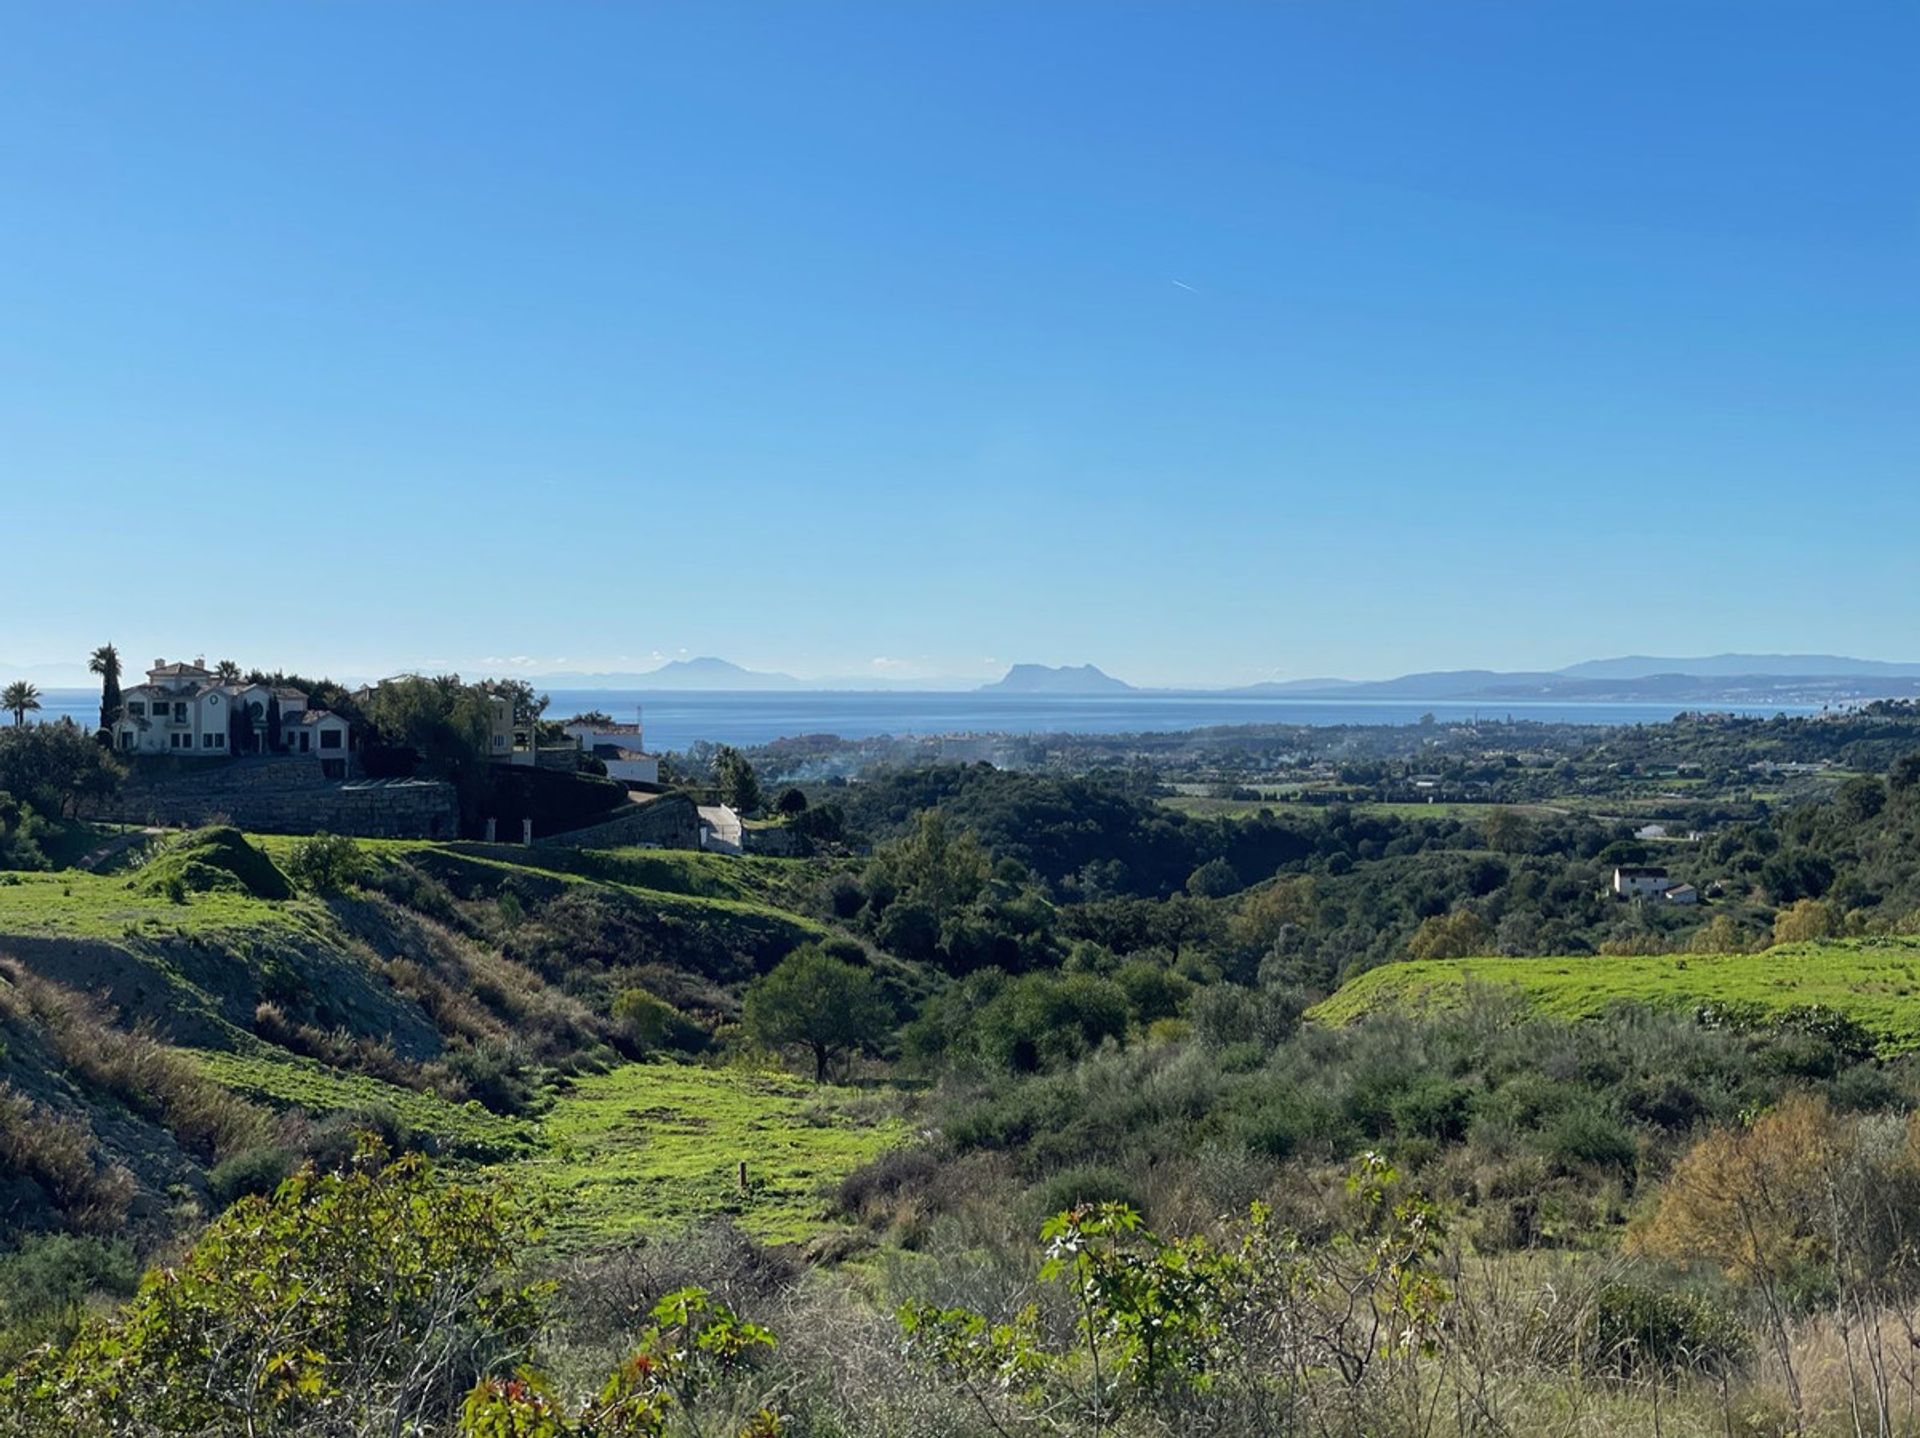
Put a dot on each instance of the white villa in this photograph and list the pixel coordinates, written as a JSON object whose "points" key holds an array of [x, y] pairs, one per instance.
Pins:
{"points": [[188, 710], [1648, 881], [619, 747]]}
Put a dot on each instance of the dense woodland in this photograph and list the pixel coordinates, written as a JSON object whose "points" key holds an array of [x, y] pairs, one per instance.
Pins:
{"points": [[1141, 1187]]}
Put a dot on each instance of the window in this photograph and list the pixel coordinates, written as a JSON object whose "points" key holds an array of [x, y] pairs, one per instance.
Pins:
{"points": [[137, 708], [180, 712], [126, 739], [306, 741], [329, 738], [333, 768], [174, 740], [213, 741]]}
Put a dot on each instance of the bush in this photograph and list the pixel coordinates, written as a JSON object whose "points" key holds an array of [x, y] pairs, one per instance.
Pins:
{"points": [[328, 863], [46, 1283], [1080, 1187], [494, 1072], [1634, 1328], [1227, 1014], [1585, 1136], [650, 1024], [255, 1171]]}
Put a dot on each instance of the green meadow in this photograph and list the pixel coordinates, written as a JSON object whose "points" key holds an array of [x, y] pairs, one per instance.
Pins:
{"points": [[1875, 982], [658, 1146]]}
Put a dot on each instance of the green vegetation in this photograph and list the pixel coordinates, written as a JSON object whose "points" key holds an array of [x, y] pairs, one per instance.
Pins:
{"points": [[288, 1081], [659, 1145], [1356, 1069], [1872, 982], [208, 861]]}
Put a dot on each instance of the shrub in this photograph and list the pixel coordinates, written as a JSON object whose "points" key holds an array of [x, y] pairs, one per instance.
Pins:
{"points": [[1080, 1187], [1227, 1014], [1585, 1136], [328, 863], [56, 1153], [1634, 1328], [46, 1283], [255, 1171], [649, 1023], [495, 1073]]}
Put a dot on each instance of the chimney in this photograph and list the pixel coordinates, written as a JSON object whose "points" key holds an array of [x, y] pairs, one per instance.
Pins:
{"points": [[159, 664], [199, 661]]}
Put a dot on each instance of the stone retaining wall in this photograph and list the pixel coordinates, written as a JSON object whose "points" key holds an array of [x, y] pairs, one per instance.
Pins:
{"points": [[294, 800], [669, 820]]}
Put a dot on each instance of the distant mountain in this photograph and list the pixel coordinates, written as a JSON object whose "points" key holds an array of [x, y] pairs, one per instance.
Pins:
{"points": [[1740, 666], [1294, 687], [1049, 679], [703, 673]]}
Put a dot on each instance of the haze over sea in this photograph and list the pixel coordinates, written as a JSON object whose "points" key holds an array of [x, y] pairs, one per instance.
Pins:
{"points": [[677, 719]]}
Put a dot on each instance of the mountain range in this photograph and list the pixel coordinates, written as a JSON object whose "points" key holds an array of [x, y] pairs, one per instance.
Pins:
{"points": [[1720, 678]]}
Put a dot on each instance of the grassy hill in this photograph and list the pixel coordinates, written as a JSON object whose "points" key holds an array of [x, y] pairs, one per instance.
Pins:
{"points": [[198, 1012], [1874, 982]]}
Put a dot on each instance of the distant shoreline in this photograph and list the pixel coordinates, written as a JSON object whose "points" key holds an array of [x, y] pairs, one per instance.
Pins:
{"points": [[677, 719]]}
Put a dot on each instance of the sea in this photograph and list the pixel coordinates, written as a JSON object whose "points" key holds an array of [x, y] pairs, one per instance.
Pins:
{"points": [[675, 720]]}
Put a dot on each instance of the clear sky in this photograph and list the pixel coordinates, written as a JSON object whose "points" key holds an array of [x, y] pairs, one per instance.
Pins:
{"points": [[1205, 343]]}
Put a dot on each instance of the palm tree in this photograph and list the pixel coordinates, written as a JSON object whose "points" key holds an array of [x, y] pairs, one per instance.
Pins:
{"points": [[227, 672], [105, 662], [19, 696]]}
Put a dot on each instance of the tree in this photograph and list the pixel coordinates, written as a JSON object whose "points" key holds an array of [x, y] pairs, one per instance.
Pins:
{"points": [[1806, 920], [1507, 831], [528, 705], [52, 766], [19, 697], [739, 785], [1462, 934], [227, 672], [105, 661], [791, 802], [814, 1001], [1214, 879]]}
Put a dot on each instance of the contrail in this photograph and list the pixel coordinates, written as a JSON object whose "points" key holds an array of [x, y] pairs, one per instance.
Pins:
{"points": [[1187, 287]]}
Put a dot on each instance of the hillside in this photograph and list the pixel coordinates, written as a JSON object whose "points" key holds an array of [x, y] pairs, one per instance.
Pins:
{"points": [[191, 1025], [1873, 982]]}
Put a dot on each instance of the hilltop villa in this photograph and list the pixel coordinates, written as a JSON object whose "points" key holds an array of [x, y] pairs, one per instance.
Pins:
{"points": [[188, 710]]}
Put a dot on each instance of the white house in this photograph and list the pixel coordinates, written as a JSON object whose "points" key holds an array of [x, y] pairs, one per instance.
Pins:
{"points": [[1640, 881], [1643, 881], [620, 748], [188, 711]]}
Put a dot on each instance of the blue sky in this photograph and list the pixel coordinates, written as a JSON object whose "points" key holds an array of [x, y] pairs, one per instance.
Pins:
{"points": [[1205, 343]]}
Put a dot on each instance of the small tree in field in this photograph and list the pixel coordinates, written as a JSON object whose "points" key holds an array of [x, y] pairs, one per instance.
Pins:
{"points": [[814, 1001]]}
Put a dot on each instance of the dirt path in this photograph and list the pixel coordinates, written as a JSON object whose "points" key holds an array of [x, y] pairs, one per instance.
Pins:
{"points": [[117, 845]]}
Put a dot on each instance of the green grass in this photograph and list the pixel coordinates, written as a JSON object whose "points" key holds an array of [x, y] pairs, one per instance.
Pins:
{"points": [[743, 878], [285, 1080], [651, 1146], [1876, 982], [71, 903], [1444, 809]]}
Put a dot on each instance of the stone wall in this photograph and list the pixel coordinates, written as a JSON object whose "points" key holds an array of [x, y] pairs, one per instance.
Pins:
{"points": [[289, 796], [669, 820]]}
